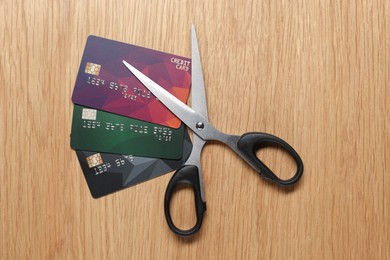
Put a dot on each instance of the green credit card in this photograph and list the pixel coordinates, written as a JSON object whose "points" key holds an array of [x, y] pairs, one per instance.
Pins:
{"points": [[100, 131]]}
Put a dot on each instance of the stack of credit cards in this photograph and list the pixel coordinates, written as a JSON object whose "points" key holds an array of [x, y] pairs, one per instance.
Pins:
{"points": [[122, 134]]}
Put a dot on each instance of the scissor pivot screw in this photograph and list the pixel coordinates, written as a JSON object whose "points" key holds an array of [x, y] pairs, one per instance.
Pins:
{"points": [[199, 125]]}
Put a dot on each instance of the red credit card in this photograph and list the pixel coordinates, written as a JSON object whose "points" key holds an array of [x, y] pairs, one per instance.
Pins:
{"points": [[104, 83]]}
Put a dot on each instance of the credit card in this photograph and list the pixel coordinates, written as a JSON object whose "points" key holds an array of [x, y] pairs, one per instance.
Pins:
{"points": [[106, 173], [96, 130], [104, 83]]}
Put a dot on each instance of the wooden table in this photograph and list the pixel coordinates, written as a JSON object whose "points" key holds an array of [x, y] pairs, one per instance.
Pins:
{"points": [[315, 73]]}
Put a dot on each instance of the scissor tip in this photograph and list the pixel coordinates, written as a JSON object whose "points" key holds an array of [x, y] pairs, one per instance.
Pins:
{"points": [[127, 65]]}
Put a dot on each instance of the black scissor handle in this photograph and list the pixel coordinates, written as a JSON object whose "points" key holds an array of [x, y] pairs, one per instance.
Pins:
{"points": [[249, 143], [187, 175]]}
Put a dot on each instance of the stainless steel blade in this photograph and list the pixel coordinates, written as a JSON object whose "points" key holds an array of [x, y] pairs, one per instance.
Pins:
{"points": [[194, 120], [199, 103]]}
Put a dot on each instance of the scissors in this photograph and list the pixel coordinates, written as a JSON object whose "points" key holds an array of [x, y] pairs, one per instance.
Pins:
{"points": [[196, 118]]}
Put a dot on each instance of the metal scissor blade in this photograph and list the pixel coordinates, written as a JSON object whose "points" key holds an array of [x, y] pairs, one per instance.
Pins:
{"points": [[198, 94], [181, 110]]}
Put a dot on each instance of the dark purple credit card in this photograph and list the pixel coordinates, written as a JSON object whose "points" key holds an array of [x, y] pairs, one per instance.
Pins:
{"points": [[104, 83]]}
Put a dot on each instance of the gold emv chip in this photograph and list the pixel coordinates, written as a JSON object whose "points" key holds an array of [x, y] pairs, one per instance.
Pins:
{"points": [[92, 68], [94, 160]]}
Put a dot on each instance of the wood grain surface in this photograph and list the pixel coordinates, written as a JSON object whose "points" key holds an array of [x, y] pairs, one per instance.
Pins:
{"points": [[315, 73]]}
